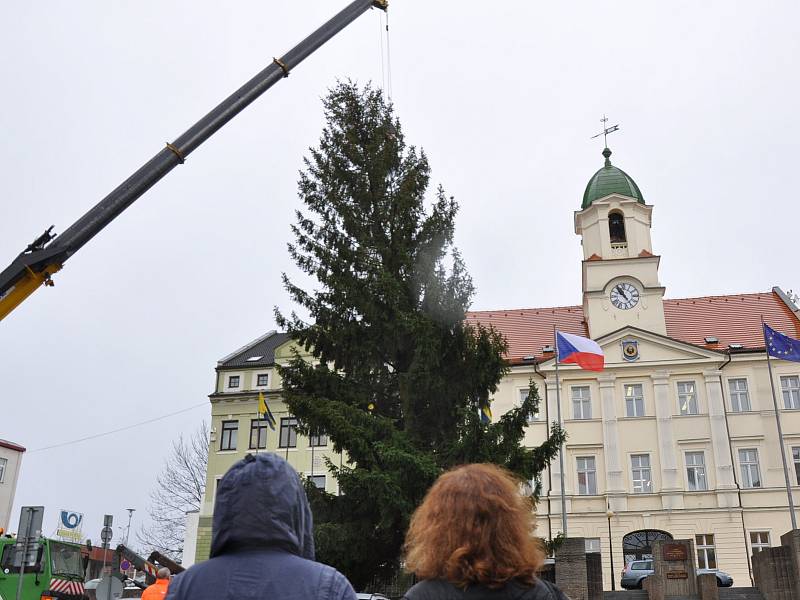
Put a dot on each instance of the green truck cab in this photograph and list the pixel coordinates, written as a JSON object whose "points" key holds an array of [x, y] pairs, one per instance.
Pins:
{"points": [[52, 570]]}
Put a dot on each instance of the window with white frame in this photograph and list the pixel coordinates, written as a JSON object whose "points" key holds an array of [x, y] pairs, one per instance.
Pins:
{"points": [[230, 431], [581, 402], [592, 545], [217, 479], [642, 475], [796, 459], [258, 434], [587, 476], [318, 481], [288, 433], [748, 460], [634, 400], [790, 387], [740, 395], [3, 465], [687, 398], [316, 440], [706, 553], [696, 471], [523, 395], [262, 380], [759, 540]]}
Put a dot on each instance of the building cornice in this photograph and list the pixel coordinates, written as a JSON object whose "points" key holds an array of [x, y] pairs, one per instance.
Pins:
{"points": [[247, 395], [254, 367], [11, 446]]}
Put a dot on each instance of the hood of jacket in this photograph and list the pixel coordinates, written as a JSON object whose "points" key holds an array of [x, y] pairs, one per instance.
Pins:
{"points": [[261, 504]]}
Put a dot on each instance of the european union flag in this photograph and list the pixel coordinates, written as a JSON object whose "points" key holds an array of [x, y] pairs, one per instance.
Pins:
{"points": [[781, 346]]}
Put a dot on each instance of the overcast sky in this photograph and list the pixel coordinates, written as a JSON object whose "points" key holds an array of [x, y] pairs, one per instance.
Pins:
{"points": [[503, 96]]}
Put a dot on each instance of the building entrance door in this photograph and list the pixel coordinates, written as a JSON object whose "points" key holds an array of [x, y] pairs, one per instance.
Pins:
{"points": [[638, 545]]}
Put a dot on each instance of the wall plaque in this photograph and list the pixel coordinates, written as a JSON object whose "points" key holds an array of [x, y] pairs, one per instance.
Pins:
{"points": [[677, 575], [675, 552]]}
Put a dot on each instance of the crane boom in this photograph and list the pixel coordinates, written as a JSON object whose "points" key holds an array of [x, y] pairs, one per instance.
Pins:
{"points": [[47, 254]]}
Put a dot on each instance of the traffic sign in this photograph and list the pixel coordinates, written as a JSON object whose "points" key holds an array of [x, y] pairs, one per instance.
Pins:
{"points": [[106, 534]]}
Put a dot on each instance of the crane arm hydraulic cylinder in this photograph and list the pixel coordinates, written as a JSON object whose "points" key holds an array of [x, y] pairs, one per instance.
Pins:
{"points": [[47, 254]]}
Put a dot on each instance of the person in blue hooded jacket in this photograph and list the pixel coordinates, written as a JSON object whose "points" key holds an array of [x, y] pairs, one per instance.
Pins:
{"points": [[262, 543]]}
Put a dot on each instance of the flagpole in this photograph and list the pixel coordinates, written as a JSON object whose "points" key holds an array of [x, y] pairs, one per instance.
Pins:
{"points": [[780, 429], [258, 422], [561, 449], [311, 439]]}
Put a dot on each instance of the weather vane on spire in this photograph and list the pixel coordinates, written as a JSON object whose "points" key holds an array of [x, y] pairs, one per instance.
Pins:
{"points": [[606, 131]]}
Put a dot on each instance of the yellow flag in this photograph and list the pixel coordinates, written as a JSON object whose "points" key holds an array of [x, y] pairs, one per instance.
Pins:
{"points": [[264, 411]]}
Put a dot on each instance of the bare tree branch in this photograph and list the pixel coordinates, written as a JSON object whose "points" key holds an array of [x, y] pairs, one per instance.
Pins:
{"points": [[179, 489]]}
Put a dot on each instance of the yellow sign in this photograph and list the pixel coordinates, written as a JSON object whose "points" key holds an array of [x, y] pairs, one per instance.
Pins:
{"points": [[69, 534]]}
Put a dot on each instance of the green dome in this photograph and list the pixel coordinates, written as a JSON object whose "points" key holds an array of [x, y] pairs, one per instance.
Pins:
{"points": [[610, 180]]}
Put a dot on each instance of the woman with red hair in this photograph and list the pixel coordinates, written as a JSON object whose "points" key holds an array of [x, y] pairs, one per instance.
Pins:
{"points": [[472, 537]]}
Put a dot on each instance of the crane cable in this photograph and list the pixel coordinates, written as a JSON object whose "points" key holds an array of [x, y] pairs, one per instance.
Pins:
{"points": [[388, 56], [383, 59], [385, 53]]}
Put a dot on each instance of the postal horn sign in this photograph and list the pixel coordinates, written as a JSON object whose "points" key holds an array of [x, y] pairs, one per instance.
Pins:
{"points": [[69, 525]]}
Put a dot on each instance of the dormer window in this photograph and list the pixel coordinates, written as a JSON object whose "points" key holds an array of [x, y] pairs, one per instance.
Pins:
{"points": [[616, 228]]}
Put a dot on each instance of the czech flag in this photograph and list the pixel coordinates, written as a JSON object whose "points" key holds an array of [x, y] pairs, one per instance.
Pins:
{"points": [[586, 353]]}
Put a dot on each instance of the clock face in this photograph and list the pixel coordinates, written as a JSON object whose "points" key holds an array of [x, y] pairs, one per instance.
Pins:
{"points": [[624, 296]]}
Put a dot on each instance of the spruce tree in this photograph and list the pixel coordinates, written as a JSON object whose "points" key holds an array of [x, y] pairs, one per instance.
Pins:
{"points": [[397, 376]]}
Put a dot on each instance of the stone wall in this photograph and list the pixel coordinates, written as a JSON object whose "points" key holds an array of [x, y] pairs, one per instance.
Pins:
{"points": [[677, 576], [775, 570], [594, 575], [791, 539], [571, 575], [707, 586]]}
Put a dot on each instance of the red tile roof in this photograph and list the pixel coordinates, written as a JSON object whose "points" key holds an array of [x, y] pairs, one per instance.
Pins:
{"points": [[527, 330], [732, 319]]}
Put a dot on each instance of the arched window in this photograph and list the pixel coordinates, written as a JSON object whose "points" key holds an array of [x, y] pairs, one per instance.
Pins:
{"points": [[637, 545], [616, 228]]}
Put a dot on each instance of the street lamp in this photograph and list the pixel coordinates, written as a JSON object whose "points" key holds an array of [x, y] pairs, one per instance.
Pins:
{"points": [[609, 514], [128, 530]]}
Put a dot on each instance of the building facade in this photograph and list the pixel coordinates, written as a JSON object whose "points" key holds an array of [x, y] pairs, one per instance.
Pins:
{"points": [[10, 464], [237, 430], [676, 438]]}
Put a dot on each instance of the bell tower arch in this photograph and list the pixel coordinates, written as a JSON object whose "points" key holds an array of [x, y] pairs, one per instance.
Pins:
{"points": [[620, 271]]}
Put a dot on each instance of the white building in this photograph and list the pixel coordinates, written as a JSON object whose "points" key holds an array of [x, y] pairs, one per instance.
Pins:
{"points": [[677, 436], [10, 463]]}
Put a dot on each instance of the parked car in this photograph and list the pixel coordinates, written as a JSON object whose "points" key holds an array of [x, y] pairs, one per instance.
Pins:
{"points": [[635, 571]]}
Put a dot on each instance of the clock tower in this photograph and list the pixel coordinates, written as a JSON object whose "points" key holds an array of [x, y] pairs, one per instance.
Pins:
{"points": [[620, 272]]}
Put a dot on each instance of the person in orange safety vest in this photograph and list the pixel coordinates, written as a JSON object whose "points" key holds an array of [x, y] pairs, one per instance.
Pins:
{"points": [[158, 590]]}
